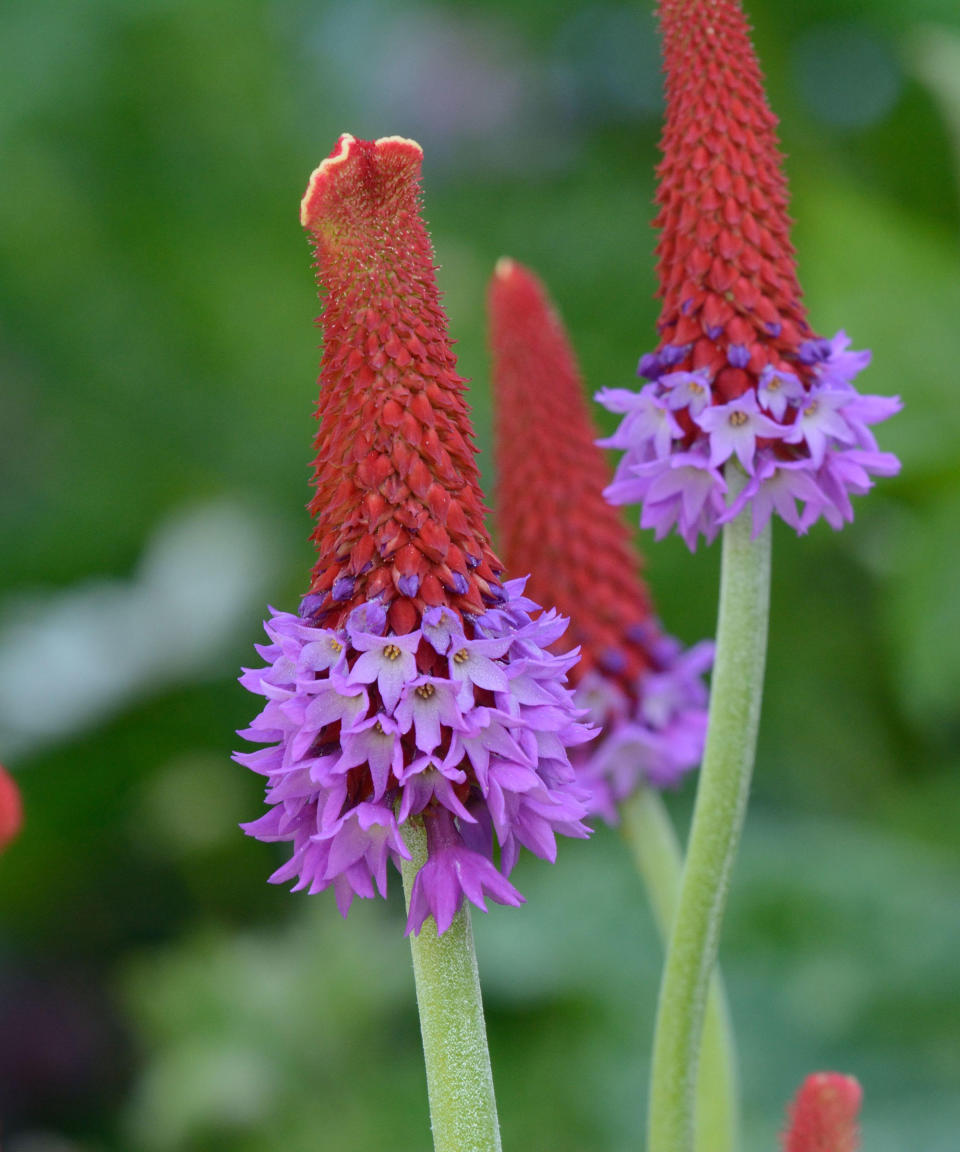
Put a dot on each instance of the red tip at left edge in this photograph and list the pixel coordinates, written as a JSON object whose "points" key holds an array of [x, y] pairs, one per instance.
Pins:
{"points": [[11, 809]]}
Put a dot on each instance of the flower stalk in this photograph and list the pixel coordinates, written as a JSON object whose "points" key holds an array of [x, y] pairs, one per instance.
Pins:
{"points": [[722, 792], [463, 1110], [652, 840]]}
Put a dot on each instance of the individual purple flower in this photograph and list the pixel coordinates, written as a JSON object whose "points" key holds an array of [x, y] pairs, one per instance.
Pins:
{"points": [[428, 704], [649, 424], [367, 832], [776, 389], [389, 661], [690, 390], [451, 872], [820, 423], [734, 428], [475, 666], [683, 491], [777, 488], [836, 367], [376, 742], [849, 473]]}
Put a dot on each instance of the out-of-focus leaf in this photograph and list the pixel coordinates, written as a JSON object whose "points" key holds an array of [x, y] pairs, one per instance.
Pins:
{"points": [[923, 615]]}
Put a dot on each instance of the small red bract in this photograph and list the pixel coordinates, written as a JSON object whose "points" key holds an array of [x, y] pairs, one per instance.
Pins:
{"points": [[11, 809], [554, 522], [823, 1115]]}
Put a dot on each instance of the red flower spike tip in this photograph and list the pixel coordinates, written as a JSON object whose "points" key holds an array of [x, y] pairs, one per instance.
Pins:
{"points": [[11, 809], [823, 1115], [555, 524], [411, 682], [397, 487], [737, 373]]}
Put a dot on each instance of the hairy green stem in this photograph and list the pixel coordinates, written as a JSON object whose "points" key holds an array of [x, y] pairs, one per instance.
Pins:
{"points": [[724, 784], [463, 1111], [650, 834]]}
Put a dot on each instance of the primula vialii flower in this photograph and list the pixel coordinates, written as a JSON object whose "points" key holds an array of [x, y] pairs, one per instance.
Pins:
{"points": [[823, 1115], [738, 373], [637, 683], [413, 682]]}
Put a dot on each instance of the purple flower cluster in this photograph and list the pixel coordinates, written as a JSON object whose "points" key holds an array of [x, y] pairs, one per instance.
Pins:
{"points": [[653, 736], [797, 442], [464, 723]]}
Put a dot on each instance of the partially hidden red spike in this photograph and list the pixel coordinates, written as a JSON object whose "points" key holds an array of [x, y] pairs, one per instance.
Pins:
{"points": [[553, 520]]}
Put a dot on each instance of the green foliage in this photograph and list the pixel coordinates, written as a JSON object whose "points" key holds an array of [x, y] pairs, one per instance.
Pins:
{"points": [[158, 356]]}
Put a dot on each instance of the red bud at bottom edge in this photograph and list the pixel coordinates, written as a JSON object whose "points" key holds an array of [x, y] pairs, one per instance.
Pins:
{"points": [[823, 1115]]}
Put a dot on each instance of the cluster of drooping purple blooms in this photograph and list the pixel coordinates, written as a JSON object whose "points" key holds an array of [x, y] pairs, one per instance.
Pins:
{"points": [[463, 723], [651, 735], [796, 442]]}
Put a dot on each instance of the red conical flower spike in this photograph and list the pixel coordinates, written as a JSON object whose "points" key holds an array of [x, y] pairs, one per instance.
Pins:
{"points": [[725, 262], [737, 371], [823, 1115], [553, 520], [412, 682], [397, 489], [555, 523]]}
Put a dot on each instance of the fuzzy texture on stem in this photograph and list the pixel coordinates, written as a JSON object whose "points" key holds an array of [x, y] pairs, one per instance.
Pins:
{"points": [[653, 842], [414, 680], [463, 1111], [637, 683], [735, 695], [823, 1115], [737, 371]]}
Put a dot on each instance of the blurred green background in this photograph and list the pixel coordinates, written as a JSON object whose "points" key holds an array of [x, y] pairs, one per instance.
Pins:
{"points": [[158, 363]]}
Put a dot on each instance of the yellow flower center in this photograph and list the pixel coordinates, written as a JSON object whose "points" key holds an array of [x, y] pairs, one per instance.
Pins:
{"points": [[425, 691], [738, 419], [461, 657], [392, 652]]}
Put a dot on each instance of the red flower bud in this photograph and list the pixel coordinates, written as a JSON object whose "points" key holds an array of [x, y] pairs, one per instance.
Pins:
{"points": [[823, 1115]]}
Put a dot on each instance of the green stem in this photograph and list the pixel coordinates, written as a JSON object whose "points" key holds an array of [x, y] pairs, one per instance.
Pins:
{"points": [[463, 1111], [736, 690], [651, 837]]}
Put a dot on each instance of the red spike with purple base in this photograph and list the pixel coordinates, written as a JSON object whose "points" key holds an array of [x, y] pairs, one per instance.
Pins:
{"points": [[737, 373], [413, 682]]}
